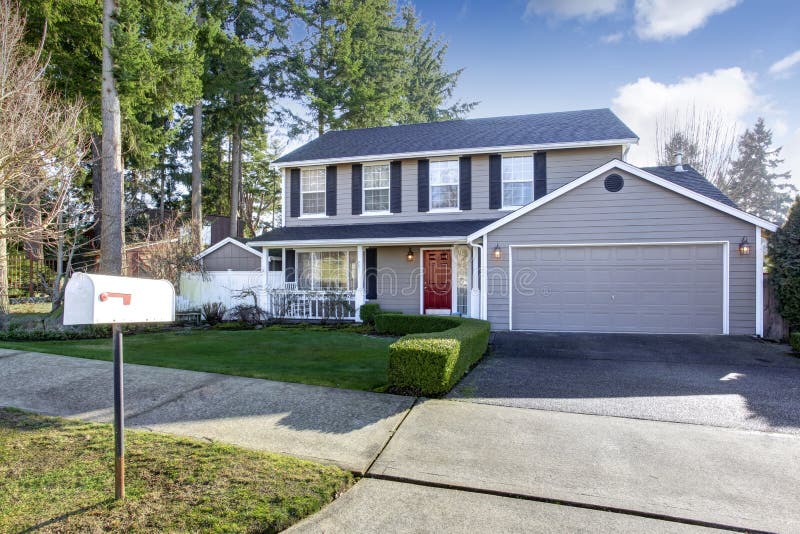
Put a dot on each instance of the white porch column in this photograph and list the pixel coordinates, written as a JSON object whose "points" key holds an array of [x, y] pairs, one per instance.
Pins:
{"points": [[759, 283], [360, 294], [262, 297], [485, 278], [475, 284]]}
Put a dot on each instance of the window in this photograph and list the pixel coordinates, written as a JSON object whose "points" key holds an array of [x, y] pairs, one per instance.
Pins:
{"points": [[444, 185], [327, 270], [517, 181], [312, 192], [376, 188], [275, 257]]}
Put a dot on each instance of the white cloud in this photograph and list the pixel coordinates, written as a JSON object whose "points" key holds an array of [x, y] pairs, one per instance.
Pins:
{"points": [[661, 19], [729, 93], [572, 8], [783, 67], [612, 38]]}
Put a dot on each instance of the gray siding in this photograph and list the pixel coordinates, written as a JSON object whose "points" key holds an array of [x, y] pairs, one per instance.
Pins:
{"points": [[398, 279], [231, 257], [640, 212], [563, 166]]}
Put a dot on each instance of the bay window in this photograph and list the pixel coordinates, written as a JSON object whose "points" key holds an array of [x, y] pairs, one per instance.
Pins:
{"points": [[376, 188], [517, 181], [327, 270], [444, 185], [312, 192]]}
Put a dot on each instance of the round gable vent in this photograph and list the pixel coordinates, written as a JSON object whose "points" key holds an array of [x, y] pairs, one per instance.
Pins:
{"points": [[614, 183]]}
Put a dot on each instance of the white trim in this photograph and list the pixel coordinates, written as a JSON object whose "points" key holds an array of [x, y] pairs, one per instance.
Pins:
{"points": [[759, 284], [314, 215], [283, 196], [456, 152], [373, 242], [453, 301], [220, 244], [725, 269], [375, 213], [626, 167], [360, 291], [485, 278]]}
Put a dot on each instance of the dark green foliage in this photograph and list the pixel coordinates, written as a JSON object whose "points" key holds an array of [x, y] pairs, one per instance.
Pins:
{"points": [[753, 183], [784, 254], [794, 340], [431, 363], [367, 312], [400, 325]]}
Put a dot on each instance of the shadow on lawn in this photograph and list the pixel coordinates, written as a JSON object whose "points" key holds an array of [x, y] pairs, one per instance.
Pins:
{"points": [[67, 515], [578, 370]]}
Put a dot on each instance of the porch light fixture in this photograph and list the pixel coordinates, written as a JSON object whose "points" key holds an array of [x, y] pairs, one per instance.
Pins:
{"points": [[744, 247], [410, 255], [497, 253]]}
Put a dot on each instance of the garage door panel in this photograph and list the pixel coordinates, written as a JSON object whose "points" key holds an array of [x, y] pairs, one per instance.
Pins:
{"points": [[636, 288]]}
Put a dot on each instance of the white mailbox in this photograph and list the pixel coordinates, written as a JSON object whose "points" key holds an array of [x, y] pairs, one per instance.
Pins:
{"points": [[101, 299]]}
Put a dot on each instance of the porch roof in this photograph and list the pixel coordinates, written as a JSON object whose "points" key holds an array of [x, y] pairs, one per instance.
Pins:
{"points": [[400, 232]]}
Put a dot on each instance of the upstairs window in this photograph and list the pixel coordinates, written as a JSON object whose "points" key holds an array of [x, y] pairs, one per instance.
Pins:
{"points": [[517, 181], [444, 185], [312, 192], [376, 188]]}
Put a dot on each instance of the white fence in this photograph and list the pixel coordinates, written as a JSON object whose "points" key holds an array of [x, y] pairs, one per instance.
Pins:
{"points": [[219, 286], [300, 304]]}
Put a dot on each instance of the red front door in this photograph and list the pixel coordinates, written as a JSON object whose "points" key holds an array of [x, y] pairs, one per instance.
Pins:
{"points": [[437, 278]]}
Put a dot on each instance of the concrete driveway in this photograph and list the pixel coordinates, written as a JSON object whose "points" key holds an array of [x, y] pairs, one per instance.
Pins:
{"points": [[734, 382]]}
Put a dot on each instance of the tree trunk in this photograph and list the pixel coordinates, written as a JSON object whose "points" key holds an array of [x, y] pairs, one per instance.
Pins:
{"points": [[236, 177], [197, 176], [97, 183], [113, 209], [5, 306]]}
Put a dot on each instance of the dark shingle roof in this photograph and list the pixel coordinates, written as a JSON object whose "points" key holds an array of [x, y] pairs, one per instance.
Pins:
{"points": [[691, 179], [542, 128], [375, 231]]}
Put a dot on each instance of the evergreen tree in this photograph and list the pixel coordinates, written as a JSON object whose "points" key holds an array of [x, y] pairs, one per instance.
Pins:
{"points": [[753, 183], [679, 143], [784, 253]]}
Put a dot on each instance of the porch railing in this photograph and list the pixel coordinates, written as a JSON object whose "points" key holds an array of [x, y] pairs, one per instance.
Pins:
{"points": [[306, 304]]}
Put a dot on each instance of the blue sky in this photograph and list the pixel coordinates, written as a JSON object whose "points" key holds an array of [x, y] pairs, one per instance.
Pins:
{"points": [[642, 58]]}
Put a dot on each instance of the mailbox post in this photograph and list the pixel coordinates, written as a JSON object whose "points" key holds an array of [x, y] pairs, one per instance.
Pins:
{"points": [[117, 300]]}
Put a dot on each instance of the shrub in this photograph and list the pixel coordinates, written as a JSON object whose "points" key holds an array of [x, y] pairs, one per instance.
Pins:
{"points": [[784, 255], [400, 325], [431, 363], [367, 312], [794, 341], [214, 312]]}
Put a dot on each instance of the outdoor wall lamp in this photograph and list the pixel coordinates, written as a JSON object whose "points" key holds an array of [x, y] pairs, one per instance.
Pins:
{"points": [[744, 247], [410, 254], [497, 252]]}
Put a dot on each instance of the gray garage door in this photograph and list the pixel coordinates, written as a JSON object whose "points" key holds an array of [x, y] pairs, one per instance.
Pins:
{"points": [[651, 289]]}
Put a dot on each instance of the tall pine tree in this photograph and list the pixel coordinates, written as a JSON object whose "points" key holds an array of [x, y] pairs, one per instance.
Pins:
{"points": [[784, 254]]}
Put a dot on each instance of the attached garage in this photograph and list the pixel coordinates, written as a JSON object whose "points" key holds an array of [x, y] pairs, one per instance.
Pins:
{"points": [[624, 287]]}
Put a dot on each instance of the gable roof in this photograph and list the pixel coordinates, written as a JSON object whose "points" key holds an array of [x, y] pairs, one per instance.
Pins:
{"points": [[439, 231], [538, 131], [636, 171], [690, 179], [220, 244]]}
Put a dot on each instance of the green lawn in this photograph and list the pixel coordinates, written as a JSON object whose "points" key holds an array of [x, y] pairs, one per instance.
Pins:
{"points": [[310, 355], [57, 475]]}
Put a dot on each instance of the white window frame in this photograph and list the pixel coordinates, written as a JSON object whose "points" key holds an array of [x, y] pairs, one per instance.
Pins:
{"points": [[431, 185], [352, 285], [364, 189], [513, 180], [324, 191]]}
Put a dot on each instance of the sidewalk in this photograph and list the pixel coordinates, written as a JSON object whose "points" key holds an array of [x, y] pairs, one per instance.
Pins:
{"points": [[344, 427]]}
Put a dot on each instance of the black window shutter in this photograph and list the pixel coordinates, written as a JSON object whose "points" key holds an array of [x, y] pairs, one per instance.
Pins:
{"points": [[356, 189], [330, 190], [395, 186], [423, 180], [289, 267], [539, 175], [495, 181], [465, 183], [294, 193], [371, 272]]}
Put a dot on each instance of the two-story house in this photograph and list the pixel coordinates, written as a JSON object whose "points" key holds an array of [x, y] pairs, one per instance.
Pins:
{"points": [[533, 222]]}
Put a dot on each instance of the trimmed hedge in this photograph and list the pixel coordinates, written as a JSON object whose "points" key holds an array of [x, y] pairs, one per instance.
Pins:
{"points": [[401, 325], [794, 341], [367, 312], [431, 363]]}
